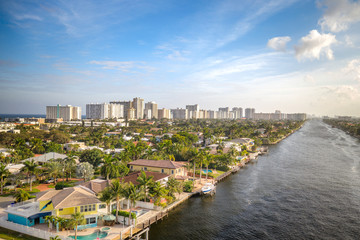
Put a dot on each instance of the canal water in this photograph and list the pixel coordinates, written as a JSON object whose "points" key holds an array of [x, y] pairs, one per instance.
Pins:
{"points": [[307, 187]]}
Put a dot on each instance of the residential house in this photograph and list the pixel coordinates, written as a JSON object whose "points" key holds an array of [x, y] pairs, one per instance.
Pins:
{"points": [[172, 168], [44, 158], [61, 203]]}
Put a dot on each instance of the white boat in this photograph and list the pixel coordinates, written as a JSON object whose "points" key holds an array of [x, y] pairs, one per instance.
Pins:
{"points": [[208, 188]]}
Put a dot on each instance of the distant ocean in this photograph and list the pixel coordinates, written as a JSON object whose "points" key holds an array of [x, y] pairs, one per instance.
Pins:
{"points": [[3, 116]]}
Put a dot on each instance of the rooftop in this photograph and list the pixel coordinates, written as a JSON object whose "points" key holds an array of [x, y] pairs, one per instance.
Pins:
{"points": [[157, 163], [68, 197]]}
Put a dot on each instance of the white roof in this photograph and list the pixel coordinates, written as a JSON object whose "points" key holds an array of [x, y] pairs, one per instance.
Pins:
{"points": [[46, 157]]}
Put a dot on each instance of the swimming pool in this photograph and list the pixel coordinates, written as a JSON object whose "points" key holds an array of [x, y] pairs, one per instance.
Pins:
{"points": [[93, 236], [209, 171]]}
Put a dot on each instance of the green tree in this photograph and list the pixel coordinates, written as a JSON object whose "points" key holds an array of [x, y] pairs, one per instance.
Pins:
{"points": [[144, 182], [156, 192], [30, 168], [85, 170], [93, 157], [55, 238], [109, 167], [4, 173], [37, 145], [106, 196], [117, 191], [21, 195], [54, 170], [77, 219], [133, 194], [70, 166], [173, 186]]}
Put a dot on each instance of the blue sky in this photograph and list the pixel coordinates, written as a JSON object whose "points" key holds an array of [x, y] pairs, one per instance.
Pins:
{"points": [[295, 56]]}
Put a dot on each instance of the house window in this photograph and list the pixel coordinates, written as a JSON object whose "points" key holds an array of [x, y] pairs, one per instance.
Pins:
{"points": [[172, 171], [93, 207], [85, 208], [162, 170], [61, 209], [145, 168], [131, 167], [102, 206], [90, 220], [81, 208]]}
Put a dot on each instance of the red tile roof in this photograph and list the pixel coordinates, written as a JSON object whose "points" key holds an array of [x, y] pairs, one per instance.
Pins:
{"points": [[156, 163], [132, 177]]}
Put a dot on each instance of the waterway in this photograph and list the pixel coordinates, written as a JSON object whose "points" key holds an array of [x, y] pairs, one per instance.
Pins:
{"points": [[307, 187]]}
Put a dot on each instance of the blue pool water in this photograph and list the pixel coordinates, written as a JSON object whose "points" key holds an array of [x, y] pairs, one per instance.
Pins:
{"points": [[92, 236], [209, 171]]}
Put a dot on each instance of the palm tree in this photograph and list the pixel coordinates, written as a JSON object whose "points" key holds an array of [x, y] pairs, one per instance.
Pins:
{"points": [[55, 169], [21, 195], [173, 187], [70, 166], [110, 167], [201, 157], [193, 155], [117, 191], [157, 191], [30, 169], [106, 197], [55, 238], [3, 174], [37, 145], [49, 219], [77, 219], [207, 160], [133, 194], [144, 182]]}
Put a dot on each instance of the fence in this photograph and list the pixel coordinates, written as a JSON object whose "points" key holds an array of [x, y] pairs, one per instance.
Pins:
{"points": [[29, 230], [147, 205]]}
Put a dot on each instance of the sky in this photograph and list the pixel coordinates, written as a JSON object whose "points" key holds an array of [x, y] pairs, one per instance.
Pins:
{"points": [[289, 55]]}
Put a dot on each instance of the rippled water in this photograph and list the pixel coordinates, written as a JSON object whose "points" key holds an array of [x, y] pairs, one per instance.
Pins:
{"points": [[307, 187]]}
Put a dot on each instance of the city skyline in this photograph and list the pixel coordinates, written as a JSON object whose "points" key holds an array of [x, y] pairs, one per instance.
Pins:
{"points": [[297, 56]]}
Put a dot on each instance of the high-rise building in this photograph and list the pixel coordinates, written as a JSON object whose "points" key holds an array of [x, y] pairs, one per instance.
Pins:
{"points": [[193, 111], [238, 112], [212, 114], [131, 113], [249, 113], [223, 113], [179, 113], [97, 111], [67, 113], [138, 104], [104, 111], [125, 106], [153, 113], [164, 113]]}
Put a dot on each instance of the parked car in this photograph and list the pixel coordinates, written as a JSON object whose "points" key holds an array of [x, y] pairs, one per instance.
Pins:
{"points": [[51, 180]]}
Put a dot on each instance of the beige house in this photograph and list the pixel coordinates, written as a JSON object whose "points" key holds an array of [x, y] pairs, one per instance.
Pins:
{"points": [[172, 168]]}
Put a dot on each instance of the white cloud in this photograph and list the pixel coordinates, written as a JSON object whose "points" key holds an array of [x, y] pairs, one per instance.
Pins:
{"points": [[353, 68], [279, 43], [172, 52], [309, 78], [339, 14], [314, 45], [27, 17], [343, 92], [126, 66]]}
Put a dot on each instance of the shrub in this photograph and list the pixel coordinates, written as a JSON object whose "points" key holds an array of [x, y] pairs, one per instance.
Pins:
{"points": [[62, 185], [223, 168], [188, 186], [124, 213]]}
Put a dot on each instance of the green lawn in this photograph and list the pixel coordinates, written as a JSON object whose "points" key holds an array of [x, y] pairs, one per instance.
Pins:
{"points": [[217, 174], [11, 235]]}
